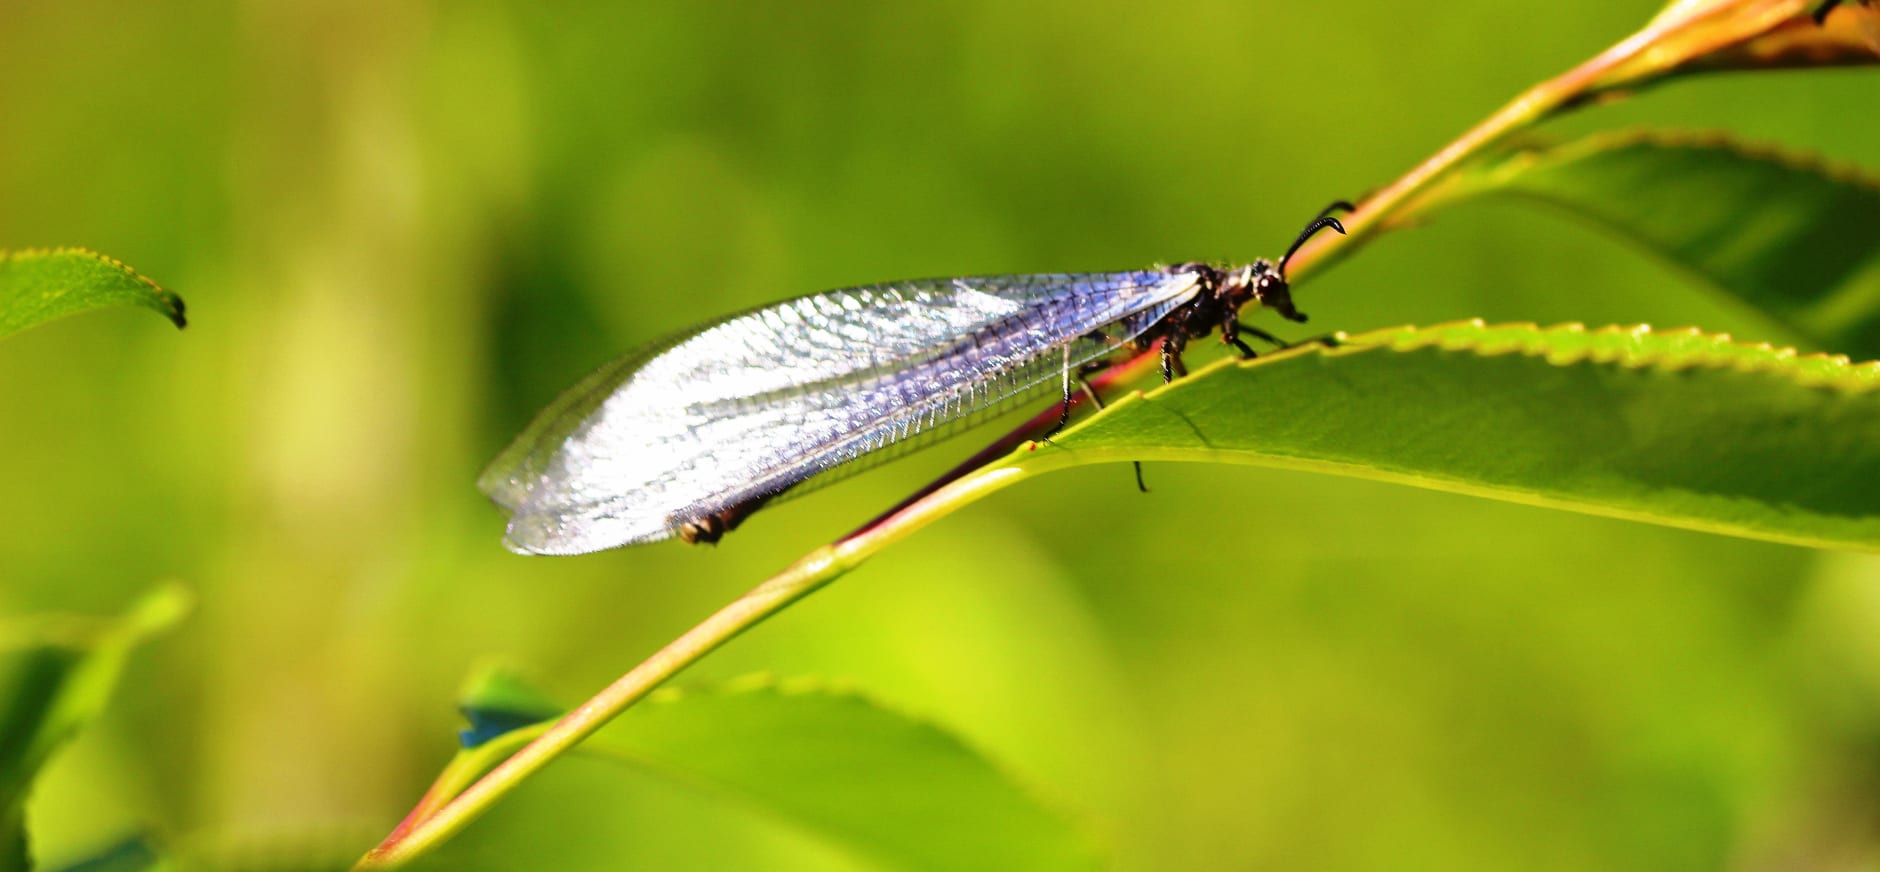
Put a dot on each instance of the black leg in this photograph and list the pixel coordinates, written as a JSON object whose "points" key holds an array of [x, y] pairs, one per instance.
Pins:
{"points": [[1821, 13], [1098, 402], [1230, 335], [1083, 369], [1064, 406], [1090, 392], [1064, 417]]}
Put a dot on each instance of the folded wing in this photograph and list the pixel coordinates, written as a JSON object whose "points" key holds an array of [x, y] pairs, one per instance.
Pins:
{"points": [[801, 393]]}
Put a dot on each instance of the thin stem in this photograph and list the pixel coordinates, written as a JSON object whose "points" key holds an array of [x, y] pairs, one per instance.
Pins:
{"points": [[421, 833], [462, 771], [416, 837], [1121, 373], [1638, 59], [438, 816], [1627, 63]]}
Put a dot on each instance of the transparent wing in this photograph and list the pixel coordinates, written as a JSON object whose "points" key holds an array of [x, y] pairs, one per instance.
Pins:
{"points": [[759, 402]]}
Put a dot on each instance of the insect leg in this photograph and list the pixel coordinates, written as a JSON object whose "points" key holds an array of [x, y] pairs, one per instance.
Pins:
{"points": [[1083, 369], [1173, 341], [1231, 329], [1064, 406], [1172, 364], [1097, 401], [1091, 392]]}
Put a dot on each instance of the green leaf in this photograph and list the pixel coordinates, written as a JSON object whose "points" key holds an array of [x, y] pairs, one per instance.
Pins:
{"points": [[132, 854], [893, 787], [56, 674], [1678, 428], [497, 702], [38, 286], [1791, 236]]}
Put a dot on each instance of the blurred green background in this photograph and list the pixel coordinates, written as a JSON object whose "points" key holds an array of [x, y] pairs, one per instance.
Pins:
{"points": [[402, 228]]}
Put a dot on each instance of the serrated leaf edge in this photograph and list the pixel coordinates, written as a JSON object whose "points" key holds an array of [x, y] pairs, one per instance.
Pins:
{"points": [[172, 302], [1529, 339]]}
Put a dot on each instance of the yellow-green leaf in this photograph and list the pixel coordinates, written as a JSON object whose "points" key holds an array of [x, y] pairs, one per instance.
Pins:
{"points": [[56, 674], [1790, 235], [39, 285], [881, 782], [1680, 428]]}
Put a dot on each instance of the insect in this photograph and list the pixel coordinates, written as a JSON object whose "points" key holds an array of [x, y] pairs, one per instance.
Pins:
{"points": [[688, 436]]}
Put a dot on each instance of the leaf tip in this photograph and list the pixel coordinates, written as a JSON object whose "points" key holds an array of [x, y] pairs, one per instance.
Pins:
{"points": [[141, 289], [168, 301]]}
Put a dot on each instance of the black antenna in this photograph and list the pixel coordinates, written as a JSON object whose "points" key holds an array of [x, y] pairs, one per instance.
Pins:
{"points": [[1319, 223]]}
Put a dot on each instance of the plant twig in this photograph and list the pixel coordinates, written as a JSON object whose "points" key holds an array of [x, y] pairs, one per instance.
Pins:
{"points": [[1685, 34], [422, 832]]}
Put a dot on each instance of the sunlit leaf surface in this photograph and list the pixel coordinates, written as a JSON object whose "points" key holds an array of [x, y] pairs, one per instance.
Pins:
{"points": [[1791, 236], [1679, 428], [889, 786]]}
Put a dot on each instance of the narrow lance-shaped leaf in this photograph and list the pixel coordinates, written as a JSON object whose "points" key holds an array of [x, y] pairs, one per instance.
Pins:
{"points": [[56, 674], [131, 854], [890, 786], [1677, 428], [38, 286], [1791, 236]]}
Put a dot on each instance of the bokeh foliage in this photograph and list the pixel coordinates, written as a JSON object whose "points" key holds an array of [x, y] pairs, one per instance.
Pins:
{"points": [[402, 229]]}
